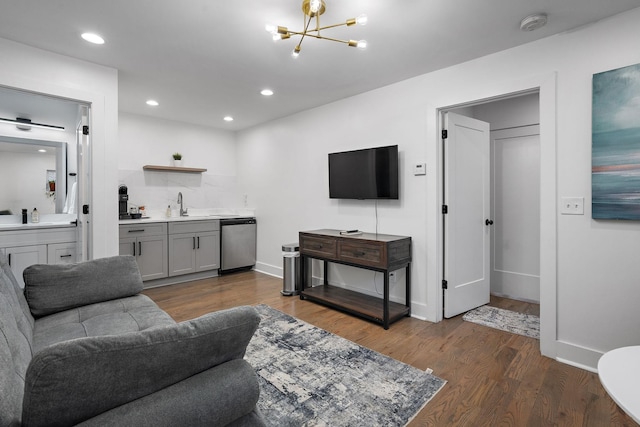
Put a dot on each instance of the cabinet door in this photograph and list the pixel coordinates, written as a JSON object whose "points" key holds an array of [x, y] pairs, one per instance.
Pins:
{"points": [[182, 254], [127, 246], [152, 257], [207, 251], [61, 253], [23, 256]]}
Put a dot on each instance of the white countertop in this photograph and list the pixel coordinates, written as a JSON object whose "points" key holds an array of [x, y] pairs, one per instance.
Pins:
{"points": [[193, 215], [619, 372], [180, 218], [14, 222]]}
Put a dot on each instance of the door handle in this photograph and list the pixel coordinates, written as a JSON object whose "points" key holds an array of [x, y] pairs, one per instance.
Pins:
{"points": [[194, 243], [139, 248], [134, 248], [198, 242], [488, 222]]}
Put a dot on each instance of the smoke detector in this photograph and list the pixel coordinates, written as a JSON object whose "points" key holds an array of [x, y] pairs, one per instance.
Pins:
{"points": [[533, 22]]}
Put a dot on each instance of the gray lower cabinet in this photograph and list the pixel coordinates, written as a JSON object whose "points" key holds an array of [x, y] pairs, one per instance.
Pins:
{"points": [[148, 244], [21, 257], [62, 253], [46, 245], [194, 246]]}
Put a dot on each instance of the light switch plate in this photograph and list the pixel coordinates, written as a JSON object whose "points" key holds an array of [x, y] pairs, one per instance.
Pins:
{"points": [[572, 206], [420, 169]]}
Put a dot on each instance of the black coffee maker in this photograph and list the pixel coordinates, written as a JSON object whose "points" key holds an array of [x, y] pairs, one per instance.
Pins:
{"points": [[123, 199]]}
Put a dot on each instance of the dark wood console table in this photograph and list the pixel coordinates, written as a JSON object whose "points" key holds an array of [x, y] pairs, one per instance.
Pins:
{"points": [[377, 252]]}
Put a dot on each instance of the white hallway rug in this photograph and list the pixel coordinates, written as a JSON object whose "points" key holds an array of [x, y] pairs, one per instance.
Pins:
{"points": [[505, 320]]}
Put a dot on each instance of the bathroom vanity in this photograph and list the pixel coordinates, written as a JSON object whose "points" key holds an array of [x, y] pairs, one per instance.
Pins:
{"points": [[38, 244]]}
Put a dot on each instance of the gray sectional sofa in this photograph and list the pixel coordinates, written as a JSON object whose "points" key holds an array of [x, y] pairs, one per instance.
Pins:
{"points": [[79, 345]]}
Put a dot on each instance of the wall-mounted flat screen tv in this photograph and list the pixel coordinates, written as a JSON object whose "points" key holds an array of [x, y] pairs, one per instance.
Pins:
{"points": [[371, 173]]}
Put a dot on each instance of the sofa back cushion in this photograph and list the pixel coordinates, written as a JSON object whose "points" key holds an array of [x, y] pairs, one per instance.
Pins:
{"points": [[54, 288]]}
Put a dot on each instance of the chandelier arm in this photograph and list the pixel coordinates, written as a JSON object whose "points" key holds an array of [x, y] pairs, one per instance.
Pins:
{"points": [[304, 33], [331, 26], [317, 36]]}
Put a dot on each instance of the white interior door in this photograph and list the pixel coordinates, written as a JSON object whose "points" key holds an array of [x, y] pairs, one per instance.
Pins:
{"points": [[467, 223], [515, 239]]}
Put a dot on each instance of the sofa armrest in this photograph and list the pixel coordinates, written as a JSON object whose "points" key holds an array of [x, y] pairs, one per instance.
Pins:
{"points": [[53, 288], [72, 381], [219, 396]]}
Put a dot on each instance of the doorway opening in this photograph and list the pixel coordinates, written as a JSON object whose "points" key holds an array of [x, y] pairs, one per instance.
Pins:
{"points": [[491, 190]]}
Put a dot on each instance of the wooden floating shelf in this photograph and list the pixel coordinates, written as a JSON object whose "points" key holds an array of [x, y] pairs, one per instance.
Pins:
{"points": [[172, 169]]}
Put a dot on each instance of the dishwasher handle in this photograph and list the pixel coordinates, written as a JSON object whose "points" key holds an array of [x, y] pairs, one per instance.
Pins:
{"points": [[237, 221]]}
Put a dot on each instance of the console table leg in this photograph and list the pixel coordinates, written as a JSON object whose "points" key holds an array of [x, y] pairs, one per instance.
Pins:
{"points": [[408, 290], [385, 309], [326, 273], [303, 274]]}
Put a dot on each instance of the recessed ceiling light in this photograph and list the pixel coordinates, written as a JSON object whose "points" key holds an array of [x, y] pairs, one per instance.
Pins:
{"points": [[152, 102], [42, 150], [93, 38], [228, 119], [266, 92]]}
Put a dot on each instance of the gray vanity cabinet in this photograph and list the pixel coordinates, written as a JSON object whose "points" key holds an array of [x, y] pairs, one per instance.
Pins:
{"points": [[194, 246], [148, 244], [38, 245]]}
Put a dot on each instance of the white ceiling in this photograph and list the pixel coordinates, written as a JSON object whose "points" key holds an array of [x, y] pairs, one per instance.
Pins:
{"points": [[204, 59]]}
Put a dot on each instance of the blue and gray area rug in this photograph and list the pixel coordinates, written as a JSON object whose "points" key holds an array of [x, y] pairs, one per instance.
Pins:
{"points": [[505, 320], [311, 377]]}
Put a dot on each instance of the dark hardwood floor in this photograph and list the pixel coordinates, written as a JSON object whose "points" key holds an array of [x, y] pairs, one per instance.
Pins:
{"points": [[494, 378]]}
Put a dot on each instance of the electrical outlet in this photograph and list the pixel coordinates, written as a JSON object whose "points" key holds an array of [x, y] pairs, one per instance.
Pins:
{"points": [[392, 277]]}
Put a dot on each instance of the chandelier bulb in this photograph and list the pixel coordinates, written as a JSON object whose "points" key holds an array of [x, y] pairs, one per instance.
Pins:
{"points": [[362, 19], [270, 28], [314, 6], [362, 44], [296, 52]]}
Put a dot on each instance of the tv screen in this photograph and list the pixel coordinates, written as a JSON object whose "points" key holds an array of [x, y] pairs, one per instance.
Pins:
{"points": [[364, 174]]}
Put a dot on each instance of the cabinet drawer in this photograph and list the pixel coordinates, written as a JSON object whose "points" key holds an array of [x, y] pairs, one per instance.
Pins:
{"points": [[196, 226], [366, 253], [318, 246], [142, 229]]}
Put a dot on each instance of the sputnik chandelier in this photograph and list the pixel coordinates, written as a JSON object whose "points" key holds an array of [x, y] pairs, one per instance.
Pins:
{"points": [[313, 9]]}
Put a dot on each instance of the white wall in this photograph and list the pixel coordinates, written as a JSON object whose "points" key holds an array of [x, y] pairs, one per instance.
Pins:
{"points": [[149, 141], [27, 68], [590, 303]]}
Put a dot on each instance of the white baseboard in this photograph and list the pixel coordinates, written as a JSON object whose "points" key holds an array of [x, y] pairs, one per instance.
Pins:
{"points": [[578, 356], [269, 269]]}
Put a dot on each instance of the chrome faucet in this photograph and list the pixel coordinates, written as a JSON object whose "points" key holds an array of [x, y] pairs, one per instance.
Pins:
{"points": [[183, 212]]}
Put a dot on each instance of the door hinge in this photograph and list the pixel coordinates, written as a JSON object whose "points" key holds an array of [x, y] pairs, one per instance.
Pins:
{"points": [[85, 130], [445, 134], [85, 209], [445, 284], [445, 209]]}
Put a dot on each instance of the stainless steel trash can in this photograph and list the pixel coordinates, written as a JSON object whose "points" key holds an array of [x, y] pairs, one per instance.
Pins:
{"points": [[290, 269]]}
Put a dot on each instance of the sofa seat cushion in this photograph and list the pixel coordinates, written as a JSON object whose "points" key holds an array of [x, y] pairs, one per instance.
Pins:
{"points": [[114, 317]]}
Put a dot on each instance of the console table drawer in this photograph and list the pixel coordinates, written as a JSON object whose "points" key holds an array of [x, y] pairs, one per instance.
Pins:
{"points": [[366, 253], [318, 246]]}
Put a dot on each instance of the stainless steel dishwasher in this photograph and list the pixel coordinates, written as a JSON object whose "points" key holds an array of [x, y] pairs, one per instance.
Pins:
{"points": [[237, 244]]}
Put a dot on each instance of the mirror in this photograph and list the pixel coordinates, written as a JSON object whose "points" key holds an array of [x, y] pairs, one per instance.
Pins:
{"points": [[33, 173], [38, 164]]}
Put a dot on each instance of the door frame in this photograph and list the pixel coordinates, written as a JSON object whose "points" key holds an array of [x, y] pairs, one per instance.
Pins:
{"points": [[545, 86]]}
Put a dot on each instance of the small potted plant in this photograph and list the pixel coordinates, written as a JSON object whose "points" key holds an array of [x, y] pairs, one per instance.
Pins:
{"points": [[177, 159]]}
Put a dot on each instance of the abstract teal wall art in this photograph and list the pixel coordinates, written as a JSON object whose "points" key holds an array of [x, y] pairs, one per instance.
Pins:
{"points": [[615, 139]]}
